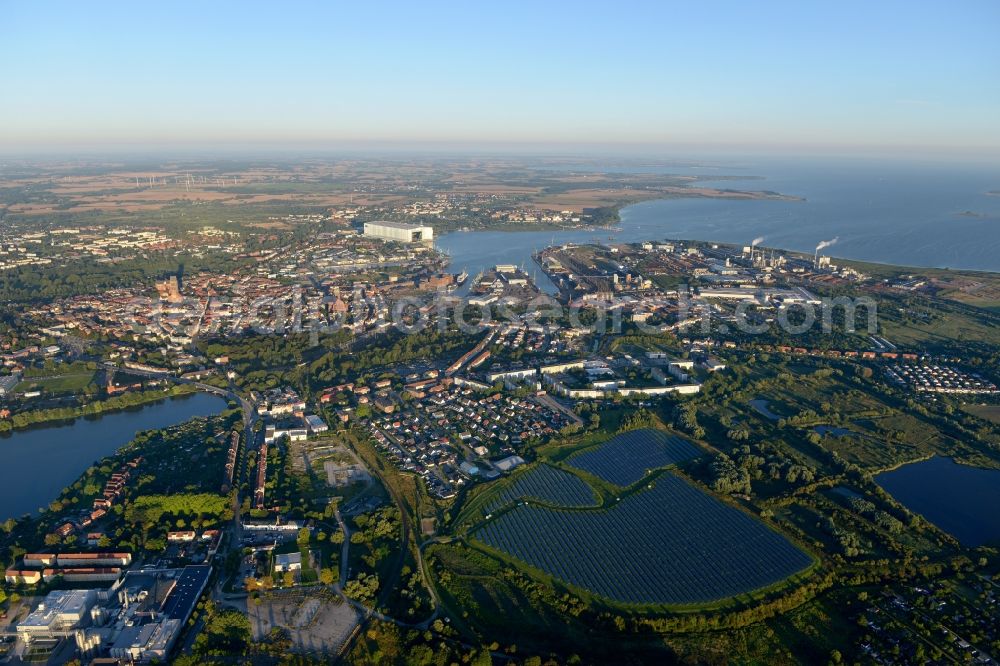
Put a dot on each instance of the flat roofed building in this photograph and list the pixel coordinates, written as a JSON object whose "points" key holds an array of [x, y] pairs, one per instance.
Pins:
{"points": [[288, 562], [61, 611], [731, 294], [399, 231], [142, 615], [316, 424], [7, 384], [184, 596], [509, 463], [144, 643]]}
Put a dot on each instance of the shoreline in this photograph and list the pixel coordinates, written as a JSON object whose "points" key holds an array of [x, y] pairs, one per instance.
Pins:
{"points": [[638, 196], [147, 399], [858, 263], [71, 448]]}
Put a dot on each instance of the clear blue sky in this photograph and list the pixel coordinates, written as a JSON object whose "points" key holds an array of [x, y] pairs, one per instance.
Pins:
{"points": [[772, 74]]}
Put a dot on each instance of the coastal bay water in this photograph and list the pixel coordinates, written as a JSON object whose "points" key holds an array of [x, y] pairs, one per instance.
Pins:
{"points": [[887, 211], [42, 460], [959, 499]]}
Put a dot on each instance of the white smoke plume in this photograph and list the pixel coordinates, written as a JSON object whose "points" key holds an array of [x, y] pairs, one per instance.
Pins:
{"points": [[757, 241], [824, 244]]}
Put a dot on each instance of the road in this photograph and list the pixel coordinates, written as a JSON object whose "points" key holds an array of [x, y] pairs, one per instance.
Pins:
{"points": [[406, 529], [547, 400], [901, 618], [344, 548], [227, 393], [249, 420], [391, 581]]}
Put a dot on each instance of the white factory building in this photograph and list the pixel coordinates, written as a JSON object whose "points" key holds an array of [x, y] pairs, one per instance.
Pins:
{"points": [[399, 231], [57, 615]]}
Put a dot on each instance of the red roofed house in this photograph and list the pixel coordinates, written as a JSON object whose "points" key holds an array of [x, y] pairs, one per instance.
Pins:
{"points": [[185, 536], [23, 576]]}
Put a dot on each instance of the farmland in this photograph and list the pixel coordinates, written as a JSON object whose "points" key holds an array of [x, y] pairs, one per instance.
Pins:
{"points": [[987, 412], [671, 544], [626, 458]]}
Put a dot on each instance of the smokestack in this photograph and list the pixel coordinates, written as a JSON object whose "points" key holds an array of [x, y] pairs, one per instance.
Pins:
{"points": [[823, 244]]}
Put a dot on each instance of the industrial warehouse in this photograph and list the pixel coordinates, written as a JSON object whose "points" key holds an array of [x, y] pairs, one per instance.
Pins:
{"points": [[399, 231], [136, 620]]}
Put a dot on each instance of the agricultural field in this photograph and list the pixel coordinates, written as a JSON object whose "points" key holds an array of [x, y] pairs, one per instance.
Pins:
{"points": [[938, 324], [988, 412], [627, 457], [670, 544]]}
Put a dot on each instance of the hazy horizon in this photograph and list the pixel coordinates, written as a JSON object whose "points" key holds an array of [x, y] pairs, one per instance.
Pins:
{"points": [[720, 156], [850, 78]]}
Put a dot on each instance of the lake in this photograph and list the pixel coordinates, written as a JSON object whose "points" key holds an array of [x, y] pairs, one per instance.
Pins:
{"points": [[959, 499], [888, 211], [41, 461]]}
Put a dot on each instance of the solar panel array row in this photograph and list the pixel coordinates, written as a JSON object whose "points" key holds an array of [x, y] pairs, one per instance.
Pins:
{"points": [[625, 458], [544, 483], [671, 544]]}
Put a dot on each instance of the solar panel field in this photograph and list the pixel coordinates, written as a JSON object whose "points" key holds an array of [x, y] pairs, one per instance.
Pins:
{"points": [[547, 484], [672, 544], [625, 458], [542, 483]]}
